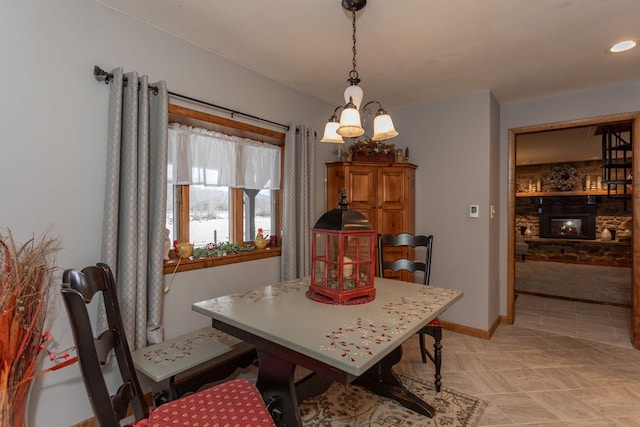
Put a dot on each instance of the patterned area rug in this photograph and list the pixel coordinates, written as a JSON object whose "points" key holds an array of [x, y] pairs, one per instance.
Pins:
{"points": [[354, 406]]}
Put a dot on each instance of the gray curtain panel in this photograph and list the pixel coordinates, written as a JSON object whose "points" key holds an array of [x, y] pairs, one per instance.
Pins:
{"points": [[298, 202], [135, 201]]}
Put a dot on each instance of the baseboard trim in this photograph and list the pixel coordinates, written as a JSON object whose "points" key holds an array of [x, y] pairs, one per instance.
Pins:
{"points": [[474, 332], [91, 422]]}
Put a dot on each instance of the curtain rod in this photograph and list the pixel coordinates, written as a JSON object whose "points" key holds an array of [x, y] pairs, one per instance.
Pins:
{"points": [[102, 75]]}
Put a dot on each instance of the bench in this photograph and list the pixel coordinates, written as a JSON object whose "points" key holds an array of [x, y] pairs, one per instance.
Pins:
{"points": [[186, 363]]}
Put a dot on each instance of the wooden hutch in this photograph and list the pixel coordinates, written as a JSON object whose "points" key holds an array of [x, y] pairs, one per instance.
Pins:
{"points": [[384, 192]]}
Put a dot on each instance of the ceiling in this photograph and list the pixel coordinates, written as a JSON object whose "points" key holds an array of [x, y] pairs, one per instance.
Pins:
{"points": [[418, 51], [564, 145], [413, 51]]}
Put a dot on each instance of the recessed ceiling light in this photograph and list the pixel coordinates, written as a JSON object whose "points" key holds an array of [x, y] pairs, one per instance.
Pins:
{"points": [[622, 46]]}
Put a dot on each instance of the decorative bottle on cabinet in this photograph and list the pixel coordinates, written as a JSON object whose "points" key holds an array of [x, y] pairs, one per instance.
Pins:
{"points": [[383, 192]]}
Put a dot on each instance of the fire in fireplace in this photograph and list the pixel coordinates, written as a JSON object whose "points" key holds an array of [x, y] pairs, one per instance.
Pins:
{"points": [[568, 222]]}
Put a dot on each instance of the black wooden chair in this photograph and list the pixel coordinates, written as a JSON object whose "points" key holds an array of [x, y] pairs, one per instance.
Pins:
{"points": [[236, 401], [388, 261]]}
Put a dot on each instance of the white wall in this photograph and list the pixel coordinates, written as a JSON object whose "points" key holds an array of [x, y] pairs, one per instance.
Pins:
{"points": [[450, 141], [52, 151], [623, 98]]}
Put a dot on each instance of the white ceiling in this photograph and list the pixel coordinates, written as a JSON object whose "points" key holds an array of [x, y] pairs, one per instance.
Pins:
{"points": [[413, 51], [416, 51], [564, 145]]}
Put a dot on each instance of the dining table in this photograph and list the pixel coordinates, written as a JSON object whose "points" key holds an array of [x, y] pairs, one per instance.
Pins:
{"points": [[355, 343]]}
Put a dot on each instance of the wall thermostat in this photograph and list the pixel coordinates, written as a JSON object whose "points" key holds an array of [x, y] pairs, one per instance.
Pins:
{"points": [[473, 211]]}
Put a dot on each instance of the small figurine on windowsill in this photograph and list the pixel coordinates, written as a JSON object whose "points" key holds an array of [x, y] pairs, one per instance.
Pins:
{"points": [[260, 241]]}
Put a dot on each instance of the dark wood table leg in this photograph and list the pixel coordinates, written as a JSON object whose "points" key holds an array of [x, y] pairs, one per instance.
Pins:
{"points": [[276, 384], [381, 380]]}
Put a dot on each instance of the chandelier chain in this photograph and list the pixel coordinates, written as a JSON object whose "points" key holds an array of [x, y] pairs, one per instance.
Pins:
{"points": [[353, 74]]}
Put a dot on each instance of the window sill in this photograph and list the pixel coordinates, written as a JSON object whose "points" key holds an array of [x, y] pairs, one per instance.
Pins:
{"points": [[198, 263]]}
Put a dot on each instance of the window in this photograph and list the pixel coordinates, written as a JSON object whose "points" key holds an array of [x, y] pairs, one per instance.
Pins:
{"points": [[209, 214], [223, 179]]}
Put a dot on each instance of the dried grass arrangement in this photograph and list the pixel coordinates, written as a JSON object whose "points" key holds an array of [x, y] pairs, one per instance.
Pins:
{"points": [[25, 274]]}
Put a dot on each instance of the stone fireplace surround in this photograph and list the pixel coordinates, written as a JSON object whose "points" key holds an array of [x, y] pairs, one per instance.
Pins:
{"points": [[611, 213], [589, 252]]}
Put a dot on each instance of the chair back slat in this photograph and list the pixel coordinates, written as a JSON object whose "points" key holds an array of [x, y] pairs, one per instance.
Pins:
{"points": [[404, 264], [120, 400], [407, 240], [105, 343], [79, 289]]}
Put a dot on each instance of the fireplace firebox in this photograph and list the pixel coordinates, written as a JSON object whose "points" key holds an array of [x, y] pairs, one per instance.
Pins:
{"points": [[568, 222]]}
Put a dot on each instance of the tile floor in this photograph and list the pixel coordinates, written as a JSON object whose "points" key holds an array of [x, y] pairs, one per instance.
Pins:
{"points": [[561, 364]]}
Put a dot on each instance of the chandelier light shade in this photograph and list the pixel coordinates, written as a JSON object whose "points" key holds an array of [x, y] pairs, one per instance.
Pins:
{"points": [[383, 126], [330, 134], [350, 124], [330, 130]]}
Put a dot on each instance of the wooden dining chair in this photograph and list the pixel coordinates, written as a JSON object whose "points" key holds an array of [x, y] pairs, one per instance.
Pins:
{"points": [[234, 402], [388, 260]]}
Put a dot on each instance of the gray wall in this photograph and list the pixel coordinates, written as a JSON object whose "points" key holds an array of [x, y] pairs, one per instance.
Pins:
{"points": [[52, 154], [451, 142]]}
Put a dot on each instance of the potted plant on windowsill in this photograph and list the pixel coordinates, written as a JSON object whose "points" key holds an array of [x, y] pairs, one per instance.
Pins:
{"points": [[372, 151]]}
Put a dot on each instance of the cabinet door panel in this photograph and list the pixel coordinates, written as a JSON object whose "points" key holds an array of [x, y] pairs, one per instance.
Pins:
{"points": [[392, 191], [391, 221], [362, 187]]}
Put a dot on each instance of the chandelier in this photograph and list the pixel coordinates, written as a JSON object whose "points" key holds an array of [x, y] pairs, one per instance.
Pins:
{"points": [[350, 123]]}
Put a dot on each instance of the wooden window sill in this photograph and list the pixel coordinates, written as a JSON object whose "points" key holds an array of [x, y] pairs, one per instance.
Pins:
{"points": [[198, 263]]}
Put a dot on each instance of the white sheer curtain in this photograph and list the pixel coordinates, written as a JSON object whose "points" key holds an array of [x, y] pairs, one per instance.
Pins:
{"points": [[203, 157], [135, 202], [298, 202]]}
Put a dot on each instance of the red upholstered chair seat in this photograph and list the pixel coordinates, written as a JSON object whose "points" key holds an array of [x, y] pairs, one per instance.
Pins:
{"points": [[435, 322], [233, 403]]}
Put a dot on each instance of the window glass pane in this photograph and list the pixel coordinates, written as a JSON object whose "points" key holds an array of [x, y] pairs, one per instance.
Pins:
{"points": [[258, 212], [171, 218], [209, 219]]}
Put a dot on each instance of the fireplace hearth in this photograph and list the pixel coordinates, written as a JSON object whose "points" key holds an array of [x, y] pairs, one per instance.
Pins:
{"points": [[568, 222]]}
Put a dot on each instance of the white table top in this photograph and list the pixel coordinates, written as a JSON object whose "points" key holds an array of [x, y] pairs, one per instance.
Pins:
{"points": [[351, 338]]}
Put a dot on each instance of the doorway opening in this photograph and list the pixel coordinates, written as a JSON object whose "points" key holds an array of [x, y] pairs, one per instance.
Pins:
{"points": [[579, 189]]}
